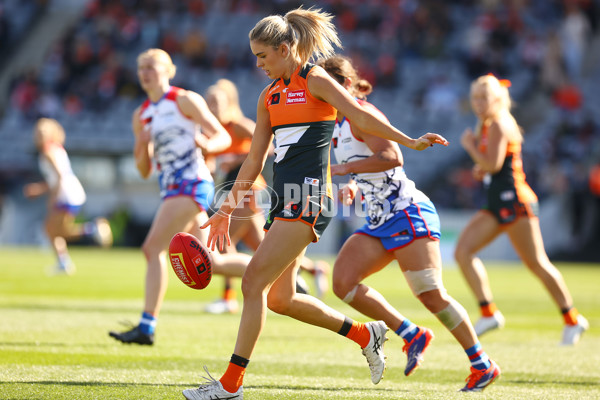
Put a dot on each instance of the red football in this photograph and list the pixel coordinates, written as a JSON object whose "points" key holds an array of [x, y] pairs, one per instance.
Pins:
{"points": [[190, 260]]}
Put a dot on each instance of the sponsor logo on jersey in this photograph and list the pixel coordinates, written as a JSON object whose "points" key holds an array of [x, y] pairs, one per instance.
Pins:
{"points": [[507, 195], [296, 97], [311, 181]]}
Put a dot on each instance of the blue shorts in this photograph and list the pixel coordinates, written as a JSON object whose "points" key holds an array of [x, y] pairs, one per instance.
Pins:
{"points": [[416, 221], [68, 208], [202, 192]]}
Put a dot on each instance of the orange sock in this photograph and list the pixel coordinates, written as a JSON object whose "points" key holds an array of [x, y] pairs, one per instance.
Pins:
{"points": [[570, 316], [229, 294], [233, 378], [359, 333], [488, 309]]}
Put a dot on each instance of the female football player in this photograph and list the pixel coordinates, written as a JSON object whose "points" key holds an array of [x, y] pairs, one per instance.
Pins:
{"points": [[402, 224], [248, 218], [167, 132], [66, 196], [511, 208], [299, 109]]}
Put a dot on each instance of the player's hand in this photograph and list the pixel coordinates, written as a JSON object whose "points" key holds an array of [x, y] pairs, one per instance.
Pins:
{"points": [[219, 230], [478, 172], [428, 140], [34, 189], [468, 140], [347, 193], [201, 142], [145, 136]]}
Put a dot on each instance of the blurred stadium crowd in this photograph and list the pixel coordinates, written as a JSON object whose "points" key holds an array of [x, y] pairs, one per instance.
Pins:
{"points": [[420, 56]]}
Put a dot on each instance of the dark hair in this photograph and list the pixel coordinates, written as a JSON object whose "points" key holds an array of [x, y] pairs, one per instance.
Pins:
{"points": [[340, 68]]}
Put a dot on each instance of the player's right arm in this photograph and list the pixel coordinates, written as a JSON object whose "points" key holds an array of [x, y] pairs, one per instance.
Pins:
{"points": [[142, 149], [249, 171]]}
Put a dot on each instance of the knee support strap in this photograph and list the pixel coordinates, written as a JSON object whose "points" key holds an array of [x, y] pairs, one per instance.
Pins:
{"points": [[424, 280]]}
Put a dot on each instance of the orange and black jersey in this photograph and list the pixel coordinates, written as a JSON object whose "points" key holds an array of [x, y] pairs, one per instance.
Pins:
{"points": [[303, 126], [508, 193]]}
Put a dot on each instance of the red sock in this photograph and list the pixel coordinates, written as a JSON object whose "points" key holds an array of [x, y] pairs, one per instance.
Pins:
{"points": [[232, 378], [488, 310]]}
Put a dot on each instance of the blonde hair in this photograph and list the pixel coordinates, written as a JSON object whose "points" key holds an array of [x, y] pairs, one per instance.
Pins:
{"points": [[340, 68], [161, 57], [498, 89], [49, 130], [233, 113], [309, 33]]}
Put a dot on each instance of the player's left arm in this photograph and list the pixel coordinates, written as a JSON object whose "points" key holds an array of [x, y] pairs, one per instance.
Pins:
{"points": [[215, 137], [324, 87], [386, 155]]}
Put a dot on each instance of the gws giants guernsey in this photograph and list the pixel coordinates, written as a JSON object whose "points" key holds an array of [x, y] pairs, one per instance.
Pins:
{"points": [[302, 125], [385, 193], [175, 150]]}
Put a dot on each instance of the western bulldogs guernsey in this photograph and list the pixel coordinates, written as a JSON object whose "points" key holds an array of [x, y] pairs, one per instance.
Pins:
{"points": [[385, 193], [70, 191], [177, 156], [302, 125]]}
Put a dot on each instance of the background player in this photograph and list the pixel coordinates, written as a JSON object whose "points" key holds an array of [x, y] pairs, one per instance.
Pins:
{"points": [[66, 196], [167, 131], [511, 208]]}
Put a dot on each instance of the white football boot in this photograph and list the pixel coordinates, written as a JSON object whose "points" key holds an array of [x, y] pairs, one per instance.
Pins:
{"points": [[212, 390], [222, 306], [374, 350], [572, 333], [485, 324], [102, 233]]}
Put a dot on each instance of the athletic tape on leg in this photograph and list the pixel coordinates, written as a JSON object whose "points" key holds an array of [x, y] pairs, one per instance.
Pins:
{"points": [[424, 280], [452, 315], [350, 296]]}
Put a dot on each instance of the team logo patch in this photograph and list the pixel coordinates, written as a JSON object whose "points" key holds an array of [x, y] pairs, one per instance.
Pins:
{"points": [[311, 181], [296, 97], [274, 99]]}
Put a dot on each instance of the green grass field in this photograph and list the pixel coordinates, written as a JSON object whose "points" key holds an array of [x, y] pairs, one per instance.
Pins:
{"points": [[54, 342]]}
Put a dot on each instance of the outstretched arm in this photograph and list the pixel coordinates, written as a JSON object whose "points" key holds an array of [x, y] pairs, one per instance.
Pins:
{"points": [[322, 86]]}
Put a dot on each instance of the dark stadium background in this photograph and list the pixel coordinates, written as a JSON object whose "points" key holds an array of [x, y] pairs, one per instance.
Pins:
{"points": [[75, 60]]}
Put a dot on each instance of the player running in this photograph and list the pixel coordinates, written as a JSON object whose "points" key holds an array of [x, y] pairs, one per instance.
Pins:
{"points": [[66, 196], [402, 224], [511, 208], [167, 132]]}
